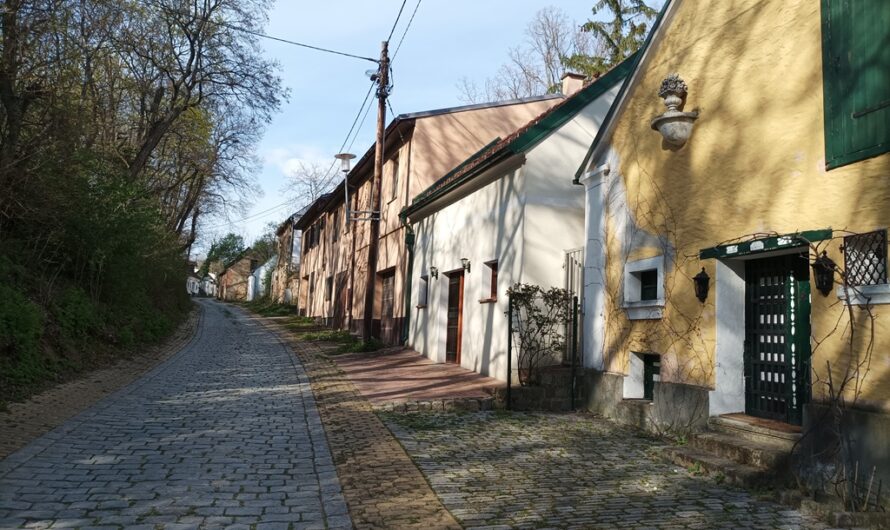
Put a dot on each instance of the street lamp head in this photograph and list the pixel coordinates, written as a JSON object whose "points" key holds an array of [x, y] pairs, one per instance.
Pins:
{"points": [[345, 159]]}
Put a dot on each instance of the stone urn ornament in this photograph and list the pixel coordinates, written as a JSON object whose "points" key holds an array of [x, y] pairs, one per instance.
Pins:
{"points": [[674, 124]]}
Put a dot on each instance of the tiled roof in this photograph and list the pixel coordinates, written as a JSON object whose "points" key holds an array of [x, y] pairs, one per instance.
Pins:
{"points": [[523, 138]]}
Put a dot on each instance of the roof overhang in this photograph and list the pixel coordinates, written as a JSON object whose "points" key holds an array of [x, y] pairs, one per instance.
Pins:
{"points": [[492, 170], [767, 243]]}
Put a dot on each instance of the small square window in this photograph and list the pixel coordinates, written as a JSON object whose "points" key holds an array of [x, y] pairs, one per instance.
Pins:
{"points": [[643, 288], [648, 284]]}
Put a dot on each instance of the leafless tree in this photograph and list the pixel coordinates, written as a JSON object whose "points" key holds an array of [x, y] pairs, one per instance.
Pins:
{"points": [[534, 67], [308, 182]]}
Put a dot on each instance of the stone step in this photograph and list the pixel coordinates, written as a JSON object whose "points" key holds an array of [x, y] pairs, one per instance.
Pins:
{"points": [[766, 455], [741, 429], [696, 460]]}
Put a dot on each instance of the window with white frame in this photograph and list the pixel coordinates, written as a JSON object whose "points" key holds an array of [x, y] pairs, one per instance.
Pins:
{"points": [[644, 288]]}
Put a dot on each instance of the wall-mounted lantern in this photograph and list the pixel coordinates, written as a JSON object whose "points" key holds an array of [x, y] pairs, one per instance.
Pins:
{"points": [[823, 270], [702, 282], [434, 272], [465, 263], [674, 124]]}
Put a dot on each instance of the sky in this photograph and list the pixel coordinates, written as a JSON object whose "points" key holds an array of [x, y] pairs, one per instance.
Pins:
{"points": [[447, 40]]}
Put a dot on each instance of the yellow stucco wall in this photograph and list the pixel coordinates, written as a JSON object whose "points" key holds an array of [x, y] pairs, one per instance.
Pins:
{"points": [[754, 163]]}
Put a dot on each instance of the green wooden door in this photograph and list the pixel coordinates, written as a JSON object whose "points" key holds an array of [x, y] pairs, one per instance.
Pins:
{"points": [[777, 337]]}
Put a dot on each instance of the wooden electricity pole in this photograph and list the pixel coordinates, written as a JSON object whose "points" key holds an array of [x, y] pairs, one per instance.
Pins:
{"points": [[382, 89]]}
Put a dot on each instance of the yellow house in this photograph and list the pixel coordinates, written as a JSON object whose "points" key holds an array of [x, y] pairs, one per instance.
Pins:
{"points": [[772, 150]]}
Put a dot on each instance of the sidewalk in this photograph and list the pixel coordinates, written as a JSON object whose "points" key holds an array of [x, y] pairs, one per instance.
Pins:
{"points": [[404, 377], [382, 485]]}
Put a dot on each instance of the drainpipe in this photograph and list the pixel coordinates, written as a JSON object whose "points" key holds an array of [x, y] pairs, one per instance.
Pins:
{"points": [[409, 245]]}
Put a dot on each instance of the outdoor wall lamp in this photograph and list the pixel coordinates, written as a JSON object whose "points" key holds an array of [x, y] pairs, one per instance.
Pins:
{"points": [[434, 272], [823, 270], [702, 282], [465, 263], [674, 125]]}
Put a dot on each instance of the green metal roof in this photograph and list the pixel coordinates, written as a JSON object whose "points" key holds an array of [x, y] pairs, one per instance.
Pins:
{"points": [[524, 138], [765, 244]]}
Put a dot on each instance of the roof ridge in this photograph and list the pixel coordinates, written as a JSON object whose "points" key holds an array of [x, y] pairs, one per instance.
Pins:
{"points": [[486, 155]]}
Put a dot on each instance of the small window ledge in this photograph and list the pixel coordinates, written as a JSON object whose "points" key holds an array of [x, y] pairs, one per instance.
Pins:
{"points": [[421, 306], [865, 294], [487, 300], [644, 309]]}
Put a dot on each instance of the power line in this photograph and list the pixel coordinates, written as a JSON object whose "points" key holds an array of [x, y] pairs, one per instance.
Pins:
{"points": [[294, 43], [396, 23], [262, 35], [410, 20]]}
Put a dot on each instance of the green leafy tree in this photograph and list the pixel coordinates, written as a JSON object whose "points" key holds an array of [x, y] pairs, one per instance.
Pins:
{"points": [[618, 37], [265, 246], [222, 251]]}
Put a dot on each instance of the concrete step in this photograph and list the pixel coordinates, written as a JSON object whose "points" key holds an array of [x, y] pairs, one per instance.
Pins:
{"points": [[731, 472], [766, 455], [781, 439]]}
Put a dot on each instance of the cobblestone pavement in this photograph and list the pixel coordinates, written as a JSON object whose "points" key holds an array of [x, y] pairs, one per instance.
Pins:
{"points": [[223, 434], [502, 470], [29, 420], [381, 484]]}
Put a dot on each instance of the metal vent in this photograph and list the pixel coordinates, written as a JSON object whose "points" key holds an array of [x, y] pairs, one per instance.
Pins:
{"points": [[865, 258]]}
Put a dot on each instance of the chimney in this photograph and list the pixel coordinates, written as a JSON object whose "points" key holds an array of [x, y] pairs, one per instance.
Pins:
{"points": [[571, 83]]}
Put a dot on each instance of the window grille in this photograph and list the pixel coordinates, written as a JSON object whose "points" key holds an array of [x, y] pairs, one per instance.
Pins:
{"points": [[865, 258]]}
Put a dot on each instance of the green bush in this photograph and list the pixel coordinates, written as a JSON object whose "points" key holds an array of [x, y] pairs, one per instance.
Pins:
{"points": [[76, 314], [21, 327]]}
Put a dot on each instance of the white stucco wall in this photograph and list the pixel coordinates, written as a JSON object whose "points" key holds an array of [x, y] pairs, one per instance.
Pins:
{"points": [[483, 226], [256, 288], [526, 218]]}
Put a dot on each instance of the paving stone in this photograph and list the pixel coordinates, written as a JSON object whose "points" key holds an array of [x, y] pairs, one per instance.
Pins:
{"points": [[194, 441], [381, 485], [539, 470]]}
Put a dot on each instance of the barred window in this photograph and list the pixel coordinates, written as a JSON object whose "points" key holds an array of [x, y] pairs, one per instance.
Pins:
{"points": [[865, 258]]}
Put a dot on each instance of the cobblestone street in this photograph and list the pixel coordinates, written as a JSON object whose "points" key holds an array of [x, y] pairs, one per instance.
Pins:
{"points": [[503, 470], [238, 431], [225, 433]]}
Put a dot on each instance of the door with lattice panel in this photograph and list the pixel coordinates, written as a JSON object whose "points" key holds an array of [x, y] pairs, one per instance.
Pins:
{"points": [[777, 337]]}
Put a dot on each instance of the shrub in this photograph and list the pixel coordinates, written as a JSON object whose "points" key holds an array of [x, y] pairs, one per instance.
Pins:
{"points": [[539, 323], [21, 327], [76, 313]]}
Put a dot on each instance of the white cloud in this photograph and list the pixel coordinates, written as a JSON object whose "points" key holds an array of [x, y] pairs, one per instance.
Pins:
{"points": [[287, 159]]}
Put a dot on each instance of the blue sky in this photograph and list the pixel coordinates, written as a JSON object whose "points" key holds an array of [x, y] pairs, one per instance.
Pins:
{"points": [[448, 40]]}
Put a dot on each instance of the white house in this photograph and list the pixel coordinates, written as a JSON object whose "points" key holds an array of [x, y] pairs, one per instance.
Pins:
{"points": [[507, 214], [208, 285], [260, 279]]}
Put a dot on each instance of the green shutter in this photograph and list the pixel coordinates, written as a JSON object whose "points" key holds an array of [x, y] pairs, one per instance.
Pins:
{"points": [[856, 73]]}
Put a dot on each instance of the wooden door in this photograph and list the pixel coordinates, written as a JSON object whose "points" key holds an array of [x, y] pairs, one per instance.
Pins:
{"points": [[340, 301], [777, 337], [455, 317], [387, 302]]}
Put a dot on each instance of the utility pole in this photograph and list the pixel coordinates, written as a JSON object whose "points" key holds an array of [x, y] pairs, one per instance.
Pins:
{"points": [[382, 93]]}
